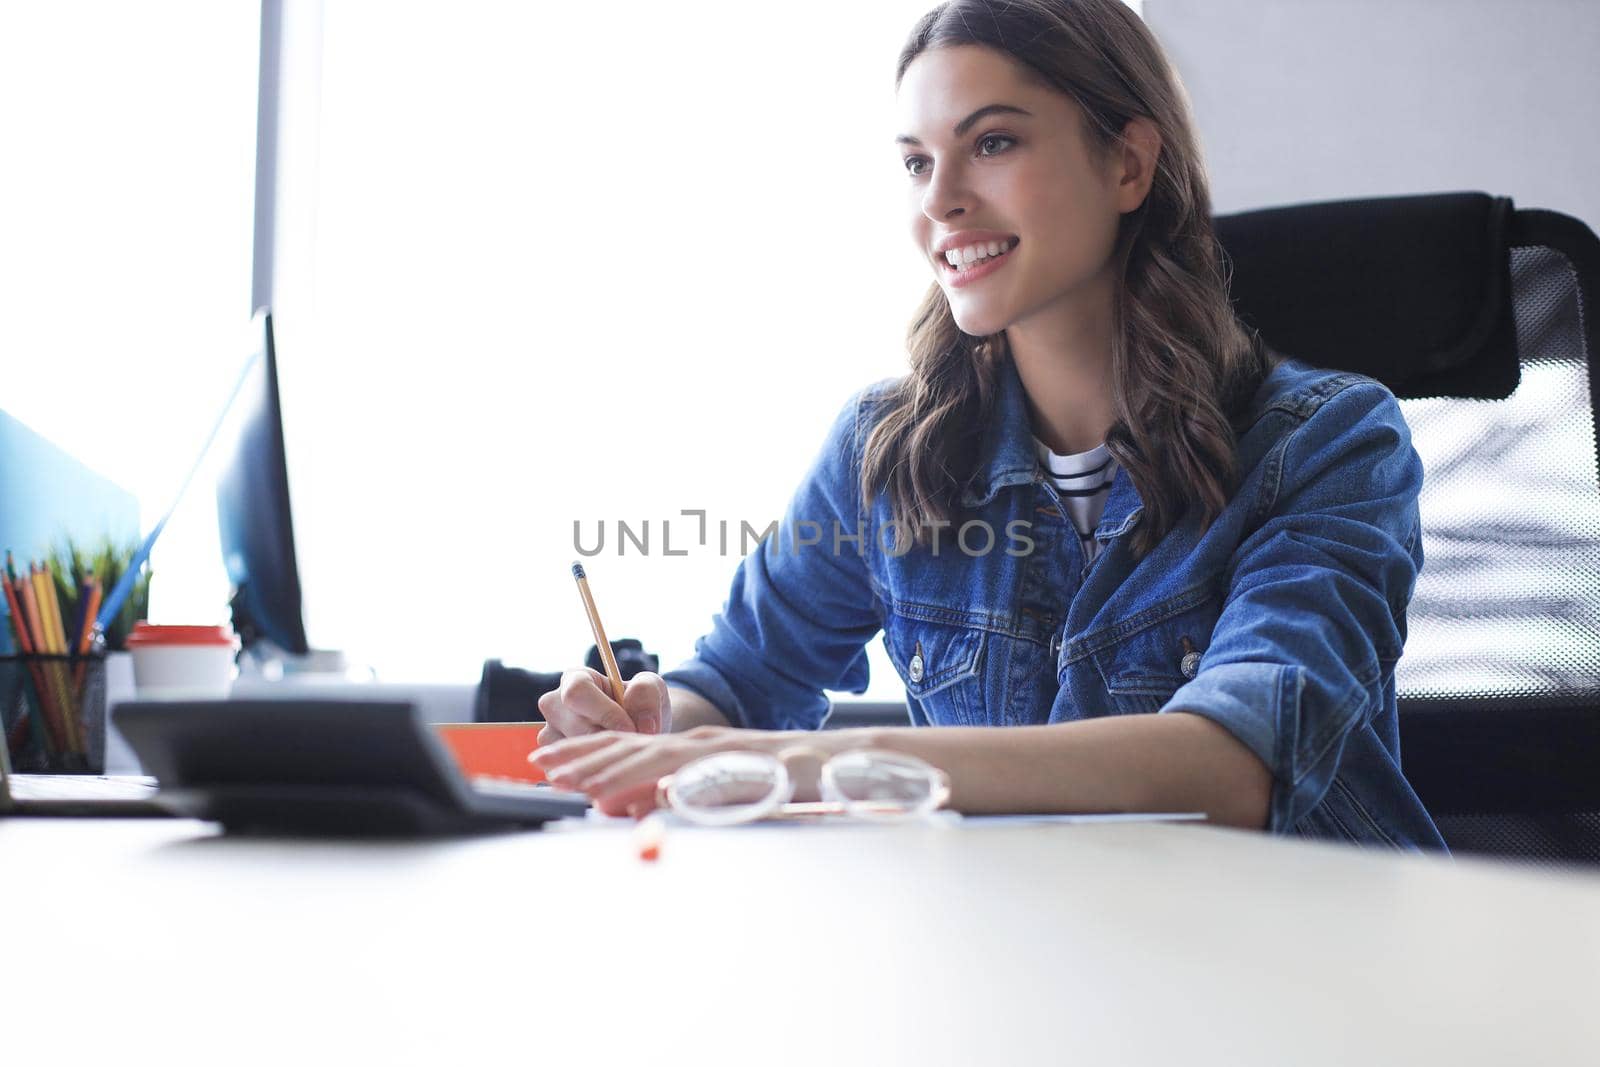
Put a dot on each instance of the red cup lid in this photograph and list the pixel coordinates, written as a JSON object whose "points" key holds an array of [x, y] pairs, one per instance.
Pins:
{"points": [[146, 635]]}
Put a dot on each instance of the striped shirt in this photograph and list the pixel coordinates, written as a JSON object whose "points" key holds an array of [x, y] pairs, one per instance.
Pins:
{"points": [[1082, 480]]}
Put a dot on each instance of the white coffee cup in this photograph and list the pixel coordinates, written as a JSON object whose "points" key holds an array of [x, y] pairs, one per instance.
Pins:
{"points": [[182, 662]]}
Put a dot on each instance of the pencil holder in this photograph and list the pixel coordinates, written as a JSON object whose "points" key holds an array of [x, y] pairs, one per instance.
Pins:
{"points": [[53, 712]]}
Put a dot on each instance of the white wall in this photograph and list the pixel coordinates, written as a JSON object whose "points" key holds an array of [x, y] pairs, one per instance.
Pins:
{"points": [[1335, 99]]}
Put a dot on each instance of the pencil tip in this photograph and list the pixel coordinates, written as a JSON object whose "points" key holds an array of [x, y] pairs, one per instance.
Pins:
{"points": [[577, 570]]}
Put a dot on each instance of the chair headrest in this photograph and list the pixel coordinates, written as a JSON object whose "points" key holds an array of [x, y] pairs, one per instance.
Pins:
{"points": [[1412, 290]]}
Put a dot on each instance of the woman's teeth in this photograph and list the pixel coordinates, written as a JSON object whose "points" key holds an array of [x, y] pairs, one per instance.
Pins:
{"points": [[965, 258]]}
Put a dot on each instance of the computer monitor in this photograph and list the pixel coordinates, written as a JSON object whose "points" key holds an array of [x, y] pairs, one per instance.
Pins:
{"points": [[253, 511]]}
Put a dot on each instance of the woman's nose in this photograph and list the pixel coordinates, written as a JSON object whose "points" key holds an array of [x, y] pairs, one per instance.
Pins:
{"points": [[945, 195]]}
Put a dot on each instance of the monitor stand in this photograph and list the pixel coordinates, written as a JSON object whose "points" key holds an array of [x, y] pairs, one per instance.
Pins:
{"points": [[263, 661], [267, 672]]}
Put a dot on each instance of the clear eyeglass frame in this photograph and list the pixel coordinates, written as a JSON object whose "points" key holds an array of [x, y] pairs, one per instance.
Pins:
{"points": [[742, 786]]}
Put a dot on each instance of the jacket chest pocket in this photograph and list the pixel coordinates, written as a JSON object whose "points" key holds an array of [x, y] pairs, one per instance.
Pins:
{"points": [[1144, 663], [941, 665]]}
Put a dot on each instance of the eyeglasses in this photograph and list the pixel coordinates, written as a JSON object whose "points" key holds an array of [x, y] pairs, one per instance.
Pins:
{"points": [[726, 788]]}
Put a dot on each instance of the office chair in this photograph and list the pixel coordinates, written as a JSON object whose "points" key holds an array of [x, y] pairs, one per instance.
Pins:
{"points": [[1485, 321]]}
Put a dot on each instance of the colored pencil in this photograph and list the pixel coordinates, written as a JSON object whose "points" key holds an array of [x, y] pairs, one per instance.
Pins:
{"points": [[77, 617], [64, 648], [51, 606], [91, 596], [20, 728], [55, 644], [19, 620], [27, 645], [56, 669], [17, 595], [45, 639], [18, 731], [86, 636]]}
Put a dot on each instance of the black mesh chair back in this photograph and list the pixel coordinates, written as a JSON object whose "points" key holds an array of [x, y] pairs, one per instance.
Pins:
{"points": [[1483, 320]]}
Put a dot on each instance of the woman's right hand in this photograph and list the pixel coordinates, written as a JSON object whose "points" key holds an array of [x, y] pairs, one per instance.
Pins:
{"points": [[582, 704]]}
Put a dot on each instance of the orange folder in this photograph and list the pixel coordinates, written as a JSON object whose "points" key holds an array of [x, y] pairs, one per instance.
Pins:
{"points": [[493, 749]]}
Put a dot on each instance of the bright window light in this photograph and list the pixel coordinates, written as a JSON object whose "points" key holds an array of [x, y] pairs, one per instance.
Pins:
{"points": [[125, 205], [576, 264]]}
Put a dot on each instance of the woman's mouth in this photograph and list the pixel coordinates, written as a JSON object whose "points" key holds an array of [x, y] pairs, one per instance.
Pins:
{"points": [[978, 269]]}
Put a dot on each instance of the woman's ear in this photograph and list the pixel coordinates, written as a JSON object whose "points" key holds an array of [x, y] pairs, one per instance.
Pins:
{"points": [[1137, 154]]}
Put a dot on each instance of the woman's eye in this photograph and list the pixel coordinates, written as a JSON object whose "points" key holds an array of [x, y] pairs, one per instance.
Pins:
{"points": [[912, 163], [994, 137]]}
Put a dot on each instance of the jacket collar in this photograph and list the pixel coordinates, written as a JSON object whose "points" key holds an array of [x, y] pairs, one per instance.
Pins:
{"points": [[1007, 458]]}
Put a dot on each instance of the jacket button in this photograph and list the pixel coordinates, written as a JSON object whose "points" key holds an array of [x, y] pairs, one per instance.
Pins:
{"points": [[1190, 664], [915, 669], [1055, 645]]}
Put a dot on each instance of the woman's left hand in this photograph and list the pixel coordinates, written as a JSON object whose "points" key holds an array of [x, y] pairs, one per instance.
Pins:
{"points": [[619, 771]]}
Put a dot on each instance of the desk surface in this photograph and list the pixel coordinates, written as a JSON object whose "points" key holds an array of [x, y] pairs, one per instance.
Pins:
{"points": [[1004, 944]]}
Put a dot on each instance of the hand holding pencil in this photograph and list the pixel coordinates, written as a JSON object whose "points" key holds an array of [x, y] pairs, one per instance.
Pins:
{"points": [[587, 701]]}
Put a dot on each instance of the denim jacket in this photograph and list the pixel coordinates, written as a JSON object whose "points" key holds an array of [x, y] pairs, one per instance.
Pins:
{"points": [[1282, 622]]}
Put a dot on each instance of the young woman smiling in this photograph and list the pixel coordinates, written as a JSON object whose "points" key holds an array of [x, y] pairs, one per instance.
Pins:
{"points": [[1097, 512]]}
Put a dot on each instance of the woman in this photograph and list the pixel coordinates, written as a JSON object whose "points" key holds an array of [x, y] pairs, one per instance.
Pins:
{"points": [[1097, 511]]}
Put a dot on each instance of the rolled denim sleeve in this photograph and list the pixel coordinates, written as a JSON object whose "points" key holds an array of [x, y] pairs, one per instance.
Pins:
{"points": [[802, 607], [1314, 617]]}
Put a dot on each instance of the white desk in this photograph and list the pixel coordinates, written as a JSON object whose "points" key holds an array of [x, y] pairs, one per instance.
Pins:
{"points": [[1001, 944]]}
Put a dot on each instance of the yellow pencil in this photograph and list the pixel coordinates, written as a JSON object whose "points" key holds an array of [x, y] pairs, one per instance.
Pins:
{"points": [[58, 628], [55, 637], [600, 642], [41, 647]]}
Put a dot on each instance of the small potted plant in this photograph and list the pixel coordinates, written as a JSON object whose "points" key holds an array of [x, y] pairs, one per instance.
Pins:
{"points": [[107, 561]]}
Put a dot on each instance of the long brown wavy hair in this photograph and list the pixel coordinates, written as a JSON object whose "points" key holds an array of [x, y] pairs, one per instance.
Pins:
{"points": [[1182, 362]]}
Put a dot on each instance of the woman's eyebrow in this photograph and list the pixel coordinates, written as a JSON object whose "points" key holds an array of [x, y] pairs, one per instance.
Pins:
{"points": [[966, 124]]}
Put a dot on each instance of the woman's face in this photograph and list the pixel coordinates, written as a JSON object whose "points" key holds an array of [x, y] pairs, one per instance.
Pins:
{"points": [[982, 175]]}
